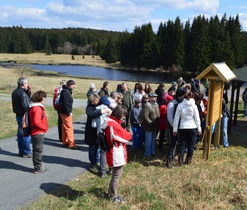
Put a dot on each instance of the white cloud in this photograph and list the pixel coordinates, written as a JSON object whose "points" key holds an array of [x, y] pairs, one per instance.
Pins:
{"points": [[243, 20], [116, 15]]}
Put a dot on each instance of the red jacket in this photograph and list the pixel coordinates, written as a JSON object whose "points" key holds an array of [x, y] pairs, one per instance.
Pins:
{"points": [[38, 120], [117, 137], [163, 117]]}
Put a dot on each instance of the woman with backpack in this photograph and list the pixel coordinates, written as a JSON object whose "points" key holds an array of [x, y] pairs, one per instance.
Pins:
{"points": [[39, 126]]}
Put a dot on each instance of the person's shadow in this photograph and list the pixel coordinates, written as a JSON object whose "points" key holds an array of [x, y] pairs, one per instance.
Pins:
{"points": [[61, 190]]}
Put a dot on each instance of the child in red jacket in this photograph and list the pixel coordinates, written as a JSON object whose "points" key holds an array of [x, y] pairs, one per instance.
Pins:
{"points": [[116, 157], [39, 126]]}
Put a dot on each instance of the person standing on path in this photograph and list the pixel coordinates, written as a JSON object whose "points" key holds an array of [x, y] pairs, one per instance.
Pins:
{"points": [[20, 105], [39, 125], [66, 115], [57, 91], [104, 91]]}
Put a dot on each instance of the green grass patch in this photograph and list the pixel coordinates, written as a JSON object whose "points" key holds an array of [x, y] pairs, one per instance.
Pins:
{"points": [[219, 183]]}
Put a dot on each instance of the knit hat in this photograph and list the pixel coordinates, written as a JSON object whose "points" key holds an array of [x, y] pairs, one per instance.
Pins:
{"points": [[70, 82], [92, 85], [180, 92]]}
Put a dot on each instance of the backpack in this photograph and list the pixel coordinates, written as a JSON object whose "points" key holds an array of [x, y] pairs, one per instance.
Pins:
{"points": [[57, 104], [26, 128], [26, 124], [102, 142]]}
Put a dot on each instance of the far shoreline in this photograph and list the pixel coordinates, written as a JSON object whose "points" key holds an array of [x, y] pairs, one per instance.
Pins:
{"points": [[66, 59]]}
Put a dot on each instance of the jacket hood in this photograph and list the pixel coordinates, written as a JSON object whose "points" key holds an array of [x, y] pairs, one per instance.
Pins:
{"points": [[35, 104], [189, 102]]}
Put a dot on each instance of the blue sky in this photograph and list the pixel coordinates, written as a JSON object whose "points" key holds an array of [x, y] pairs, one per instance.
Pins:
{"points": [[115, 15]]}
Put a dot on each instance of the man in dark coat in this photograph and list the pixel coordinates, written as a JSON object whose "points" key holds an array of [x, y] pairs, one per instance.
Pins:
{"points": [[20, 105]]}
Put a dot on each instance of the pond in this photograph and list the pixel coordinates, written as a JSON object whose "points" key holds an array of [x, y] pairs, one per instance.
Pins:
{"points": [[111, 74]]}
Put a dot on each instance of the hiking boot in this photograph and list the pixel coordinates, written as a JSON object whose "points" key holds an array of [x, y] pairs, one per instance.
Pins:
{"points": [[188, 160], [168, 164], [27, 156], [41, 170]]}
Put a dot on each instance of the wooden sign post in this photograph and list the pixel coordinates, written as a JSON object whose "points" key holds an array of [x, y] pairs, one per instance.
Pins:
{"points": [[217, 74]]}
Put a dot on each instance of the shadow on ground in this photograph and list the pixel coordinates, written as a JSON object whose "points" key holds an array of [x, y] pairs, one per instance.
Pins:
{"points": [[61, 190]]}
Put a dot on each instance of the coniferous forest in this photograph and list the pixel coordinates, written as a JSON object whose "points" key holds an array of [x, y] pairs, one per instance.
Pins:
{"points": [[176, 46]]}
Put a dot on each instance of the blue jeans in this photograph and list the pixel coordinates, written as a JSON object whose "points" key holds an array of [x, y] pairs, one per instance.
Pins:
{"points": [[94, 154], [150, 137], [23, 142], [137, 136], [224, 135]]}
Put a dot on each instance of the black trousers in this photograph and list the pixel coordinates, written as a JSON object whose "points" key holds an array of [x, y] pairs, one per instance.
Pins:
{"points": [[38, 144], [187, 137], [174, 142]]}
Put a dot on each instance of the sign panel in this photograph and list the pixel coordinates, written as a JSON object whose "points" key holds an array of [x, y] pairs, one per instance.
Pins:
{"points": [[215, 111]]}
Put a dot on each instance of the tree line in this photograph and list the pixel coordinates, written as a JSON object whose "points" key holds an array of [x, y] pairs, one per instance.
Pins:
{"points": [[189, 47], [175, 46]]}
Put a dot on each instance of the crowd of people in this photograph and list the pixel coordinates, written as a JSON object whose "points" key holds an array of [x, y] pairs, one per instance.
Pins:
{"points": [[176, 116]]}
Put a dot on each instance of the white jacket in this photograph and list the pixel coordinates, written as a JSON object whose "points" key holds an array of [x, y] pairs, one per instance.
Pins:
{"points": [[188, 114]]}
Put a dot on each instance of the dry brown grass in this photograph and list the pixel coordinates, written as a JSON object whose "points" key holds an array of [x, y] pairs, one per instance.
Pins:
{"points": [[41, 80], [56, 59]]}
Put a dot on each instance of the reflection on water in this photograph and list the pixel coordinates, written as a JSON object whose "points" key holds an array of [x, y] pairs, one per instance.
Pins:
{"points": [[110, 74]]}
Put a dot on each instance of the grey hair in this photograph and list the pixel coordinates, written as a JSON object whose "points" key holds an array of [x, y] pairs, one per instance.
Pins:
{"points": [[21, 81], [93, 96], [114, 94]]}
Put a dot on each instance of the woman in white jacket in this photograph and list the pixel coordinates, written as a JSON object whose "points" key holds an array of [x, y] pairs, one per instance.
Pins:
{"points": [[187, 120]]}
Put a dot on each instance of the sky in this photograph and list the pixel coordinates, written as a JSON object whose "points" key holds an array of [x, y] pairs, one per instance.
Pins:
{"points": [[113, 15]]}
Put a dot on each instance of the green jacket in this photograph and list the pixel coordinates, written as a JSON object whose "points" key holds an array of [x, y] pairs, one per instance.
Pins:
{"points": [[151, 116], [127, 100]]}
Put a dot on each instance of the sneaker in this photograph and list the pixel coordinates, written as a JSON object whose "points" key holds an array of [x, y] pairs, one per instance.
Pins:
{"points": [[27, 156], [41, 170], [95, 166], [101, 175], [118, 199], [110, 171]]}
